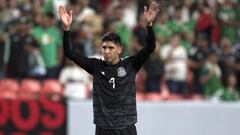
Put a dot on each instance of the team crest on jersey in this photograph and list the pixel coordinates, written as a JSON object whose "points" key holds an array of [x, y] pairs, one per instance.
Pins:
{"points": [[121, 72]]}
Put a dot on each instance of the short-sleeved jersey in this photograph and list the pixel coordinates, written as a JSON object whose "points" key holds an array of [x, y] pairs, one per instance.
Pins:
{"points": [[114, 94]]}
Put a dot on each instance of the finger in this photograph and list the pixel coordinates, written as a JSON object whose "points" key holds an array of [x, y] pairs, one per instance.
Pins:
{"points": [[59, 13], [61, 10], [61, 6], [154, 5], [145, 9], [71, 14], [151, 5], [157, 7]]}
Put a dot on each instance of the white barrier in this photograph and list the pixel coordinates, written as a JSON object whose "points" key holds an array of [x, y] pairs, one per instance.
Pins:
{"points": [[166, 118]]}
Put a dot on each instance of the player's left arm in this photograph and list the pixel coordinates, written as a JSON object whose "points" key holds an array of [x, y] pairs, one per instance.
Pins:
{"points": [[144, 53]]}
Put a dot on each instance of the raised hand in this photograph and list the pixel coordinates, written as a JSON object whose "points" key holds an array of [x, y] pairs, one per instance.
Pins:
{"points": [[66, 17], [150, 14]]}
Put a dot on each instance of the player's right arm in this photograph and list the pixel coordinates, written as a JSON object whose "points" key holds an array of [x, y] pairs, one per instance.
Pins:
{"points": [[78, 58]]}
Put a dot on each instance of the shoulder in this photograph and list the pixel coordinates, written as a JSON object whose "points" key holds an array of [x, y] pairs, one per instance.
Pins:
{"points": [[128, 59], [125, 58]]}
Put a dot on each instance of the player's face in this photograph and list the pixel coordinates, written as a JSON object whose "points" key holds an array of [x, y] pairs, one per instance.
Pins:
{"points": [[111, 52]]}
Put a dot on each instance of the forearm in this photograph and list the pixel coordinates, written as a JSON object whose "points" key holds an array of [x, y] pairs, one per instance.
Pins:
{"points": [[151, 43], [67, 44]]}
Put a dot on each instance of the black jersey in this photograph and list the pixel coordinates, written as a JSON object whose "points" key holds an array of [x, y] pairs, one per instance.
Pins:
{"points": [[114, 94]]}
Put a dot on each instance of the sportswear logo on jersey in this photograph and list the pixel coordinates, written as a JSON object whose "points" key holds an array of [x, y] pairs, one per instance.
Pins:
{"points": [[121, 72], [102, 72]]}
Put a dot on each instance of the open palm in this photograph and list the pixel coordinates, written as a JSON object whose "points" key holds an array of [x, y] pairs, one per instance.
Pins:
{"points": [[66, 17], [151, 13]]}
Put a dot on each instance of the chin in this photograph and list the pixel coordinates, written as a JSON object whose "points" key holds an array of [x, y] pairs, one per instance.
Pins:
{"points": [[107, 60]]}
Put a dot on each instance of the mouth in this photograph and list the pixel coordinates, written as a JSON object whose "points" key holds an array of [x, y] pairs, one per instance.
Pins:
{"points": [[106, 56]]}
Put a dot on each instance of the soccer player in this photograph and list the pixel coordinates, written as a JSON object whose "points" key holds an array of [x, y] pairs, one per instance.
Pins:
{"points": [[114, 94]]}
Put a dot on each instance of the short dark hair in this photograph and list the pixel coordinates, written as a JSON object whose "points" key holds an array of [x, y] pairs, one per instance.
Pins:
{"points": [[112, 37]]}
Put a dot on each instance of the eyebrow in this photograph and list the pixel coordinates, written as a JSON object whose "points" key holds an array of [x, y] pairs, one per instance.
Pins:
{"points": [[105, 46]]}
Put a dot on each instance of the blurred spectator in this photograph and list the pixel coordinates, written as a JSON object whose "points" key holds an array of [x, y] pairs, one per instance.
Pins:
{"points": [[9, 11], [176, 24], [230, 92], [91, 26], [35, 11], [188, 40], [18, 64], [97, 47], [129, 12], [85, 10], [121, 29], [104, 3], [37, 68], [228, 15], [211, 76], [226, 59], [197, 58], [76, 81], [162, 28], [49, 40], [74, 5], [205, 17], [46, 6], [176, 5], [175, 65], [13, 12], [3, 7]]}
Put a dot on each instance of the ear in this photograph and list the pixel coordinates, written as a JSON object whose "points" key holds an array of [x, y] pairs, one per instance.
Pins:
{"points": [[119, 49]]}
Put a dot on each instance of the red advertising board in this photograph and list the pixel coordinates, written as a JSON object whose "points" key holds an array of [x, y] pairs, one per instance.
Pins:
{"points": [[32, 117]]}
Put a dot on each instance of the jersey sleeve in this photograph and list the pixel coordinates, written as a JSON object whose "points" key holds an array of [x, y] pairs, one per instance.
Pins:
{"points": [[81, 60], [144, 53]]}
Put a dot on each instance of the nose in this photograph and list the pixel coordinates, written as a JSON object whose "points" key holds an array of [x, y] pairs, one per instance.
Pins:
{"points": [[107, 51]]}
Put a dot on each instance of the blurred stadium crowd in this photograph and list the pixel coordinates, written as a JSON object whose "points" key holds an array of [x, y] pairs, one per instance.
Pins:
{"points": [[197, 54]]}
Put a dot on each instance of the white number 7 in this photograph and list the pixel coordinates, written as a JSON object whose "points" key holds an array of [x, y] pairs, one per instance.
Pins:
{"points": [[112, 80]]}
